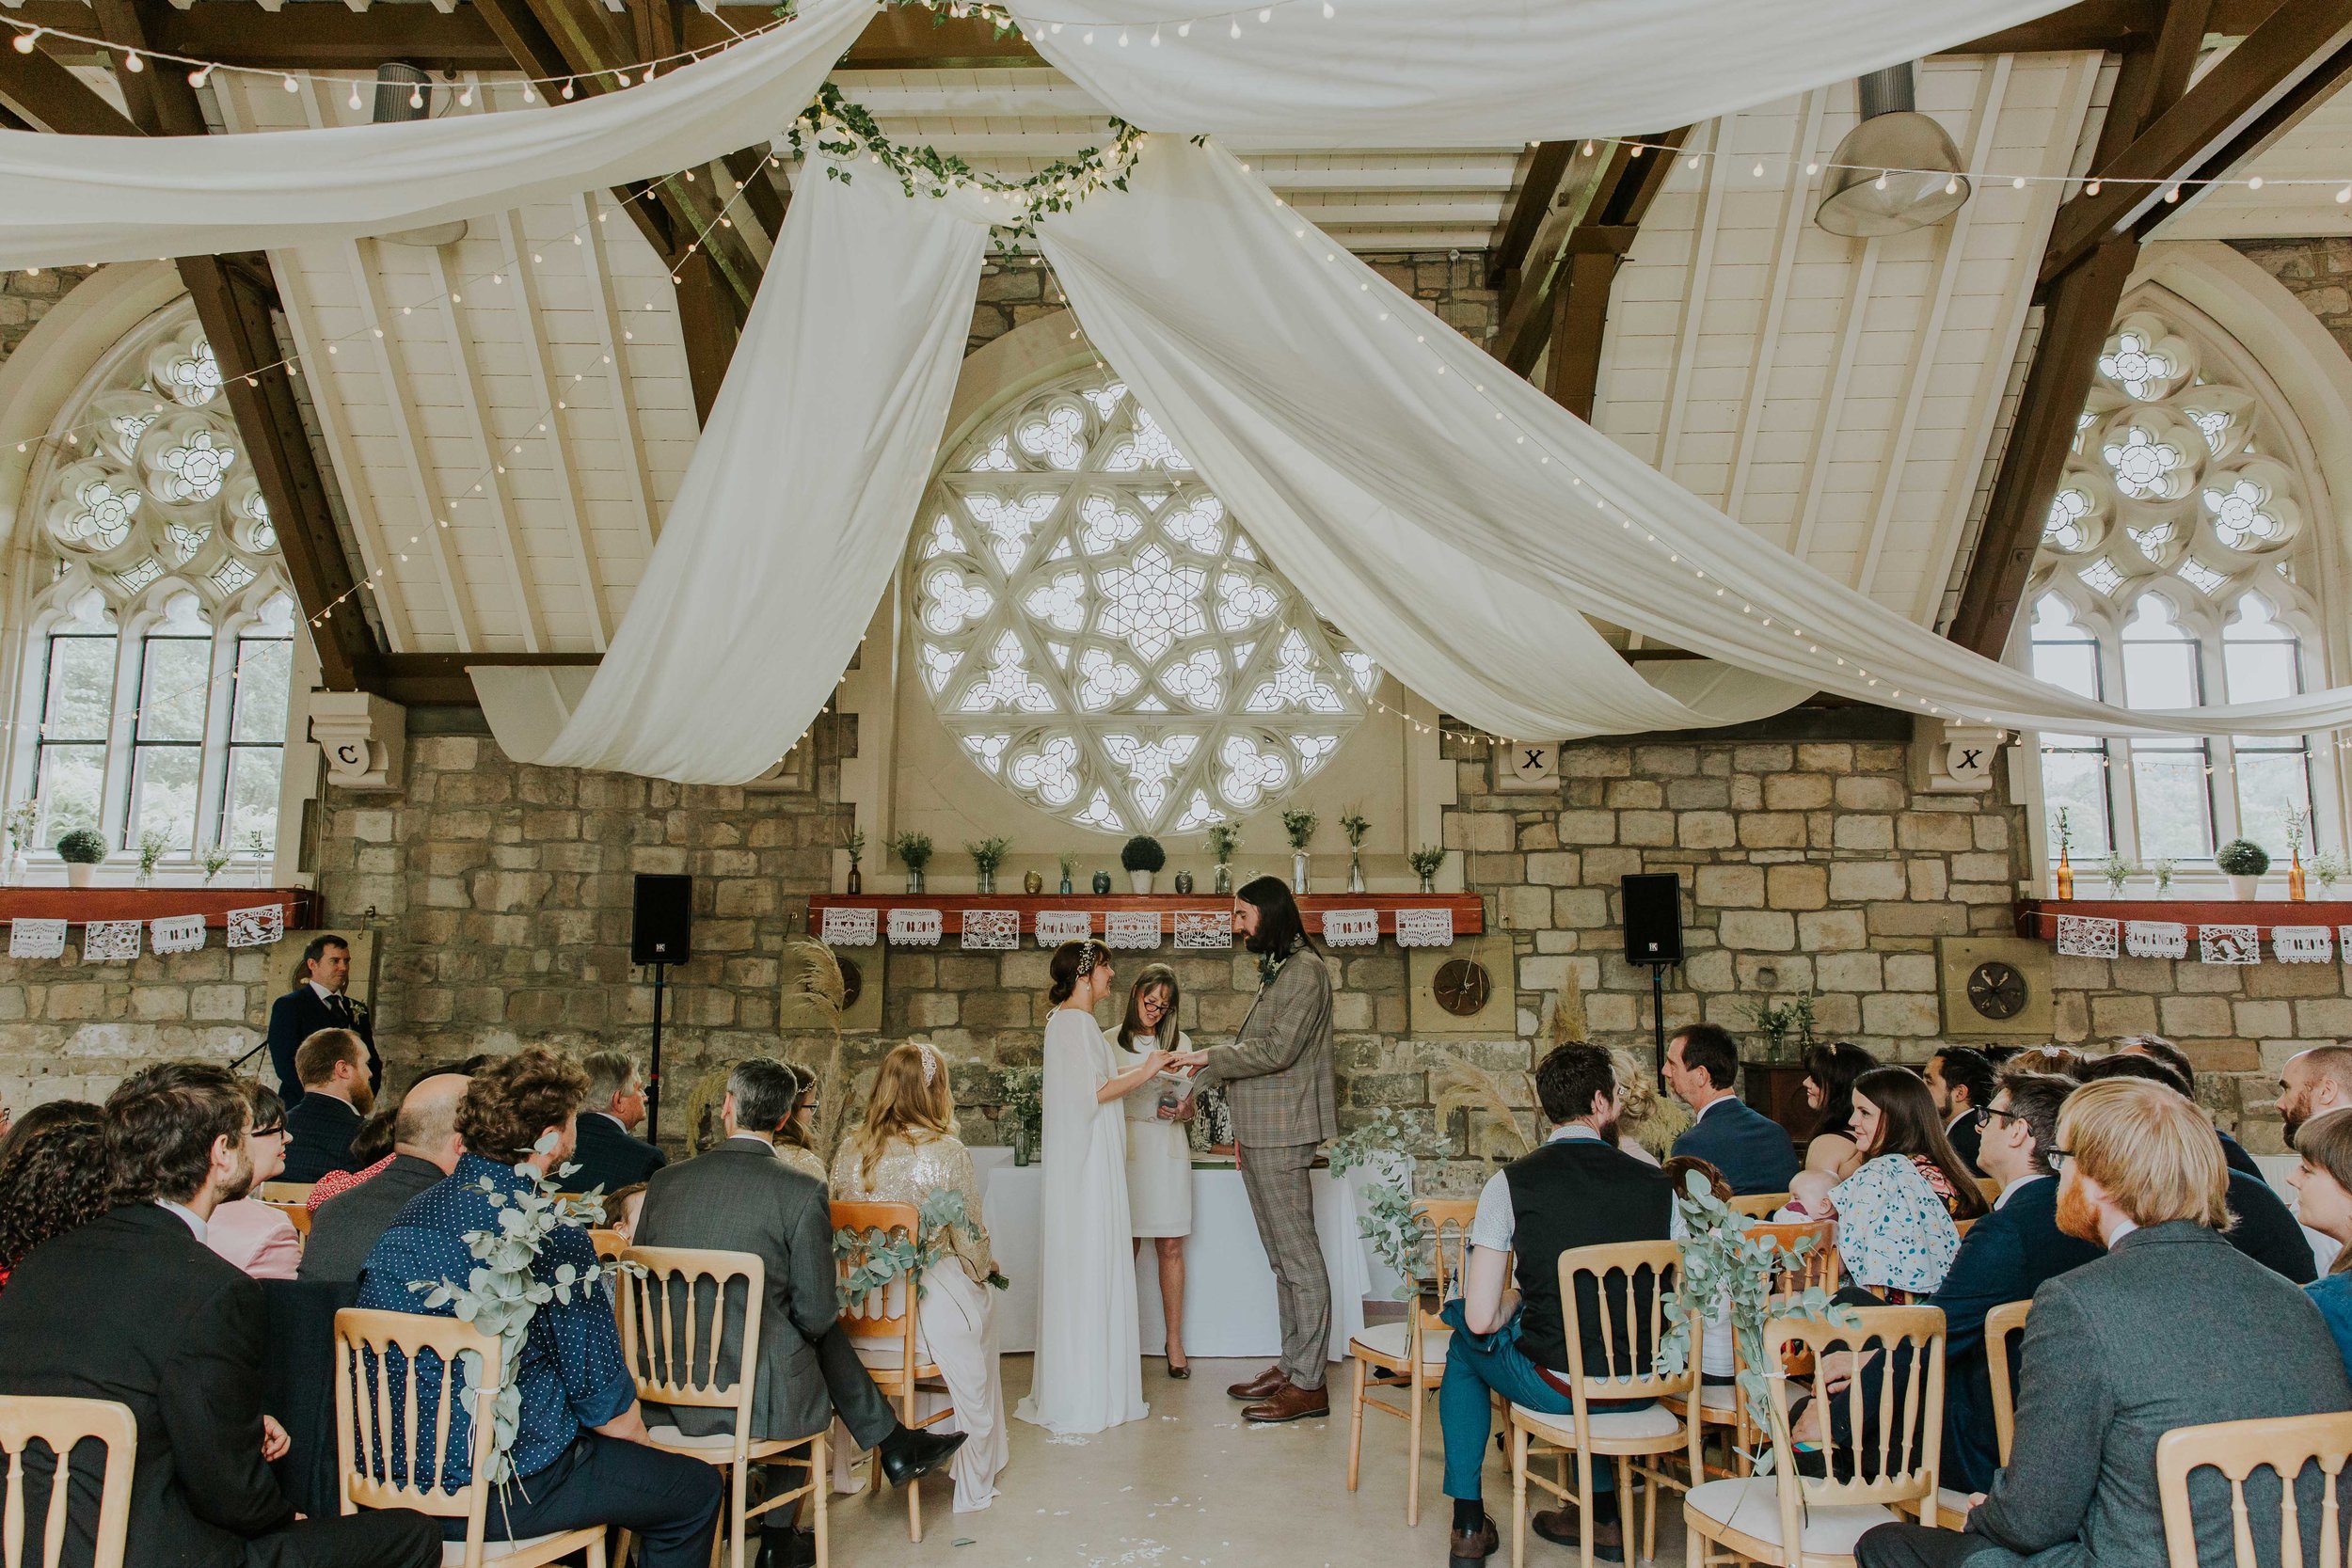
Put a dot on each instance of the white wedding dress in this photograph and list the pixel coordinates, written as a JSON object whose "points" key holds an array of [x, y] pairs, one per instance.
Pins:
{"points": [[1088, 1369]]}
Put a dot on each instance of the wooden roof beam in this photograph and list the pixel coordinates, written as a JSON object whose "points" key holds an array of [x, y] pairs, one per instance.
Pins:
{"points": [[1599, 218]]}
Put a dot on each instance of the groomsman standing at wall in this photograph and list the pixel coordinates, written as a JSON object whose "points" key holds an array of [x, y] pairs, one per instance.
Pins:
{"points": [[319, 1000]]}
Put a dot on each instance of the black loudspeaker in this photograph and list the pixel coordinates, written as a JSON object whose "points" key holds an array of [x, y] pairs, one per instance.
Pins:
{"points": [[1653, 918], [662, 931]]}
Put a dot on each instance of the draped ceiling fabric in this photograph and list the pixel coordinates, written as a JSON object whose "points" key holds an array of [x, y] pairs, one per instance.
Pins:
{"points": [[72, 200], [1470, 73]]}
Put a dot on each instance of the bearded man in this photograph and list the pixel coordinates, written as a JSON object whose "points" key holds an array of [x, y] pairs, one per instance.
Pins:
{"points": [[2312, 1084]]}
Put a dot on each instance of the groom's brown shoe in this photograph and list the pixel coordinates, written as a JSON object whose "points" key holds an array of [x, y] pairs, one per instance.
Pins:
{"points": [[1289, 1403], [1261, 1387]]}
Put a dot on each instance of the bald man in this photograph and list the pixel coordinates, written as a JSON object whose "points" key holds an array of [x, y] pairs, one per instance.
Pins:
{"points": [[424, 1150], [2313, 1082]]}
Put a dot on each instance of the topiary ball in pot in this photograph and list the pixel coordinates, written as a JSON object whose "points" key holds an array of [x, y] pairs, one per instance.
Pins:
{"points": [[82, 850], [2242, 861], [1142, 856]]}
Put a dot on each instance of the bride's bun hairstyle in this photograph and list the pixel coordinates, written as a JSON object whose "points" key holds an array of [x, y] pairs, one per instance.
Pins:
{"points": [[1072, 962]]}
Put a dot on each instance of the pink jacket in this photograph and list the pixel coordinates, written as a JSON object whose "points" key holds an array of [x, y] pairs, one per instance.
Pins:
{"points": [[255, 1237]]}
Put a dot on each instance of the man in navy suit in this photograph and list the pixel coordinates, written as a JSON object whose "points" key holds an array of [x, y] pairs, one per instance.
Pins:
{"points": [[609, 1154], [1751, 1150], [318, 1000], [331, 1067], [1960, 1079]]}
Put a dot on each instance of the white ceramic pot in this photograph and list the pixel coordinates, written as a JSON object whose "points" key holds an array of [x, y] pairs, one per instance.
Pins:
{"points": [[2244, 889], [80, 873], [1139, 881]]}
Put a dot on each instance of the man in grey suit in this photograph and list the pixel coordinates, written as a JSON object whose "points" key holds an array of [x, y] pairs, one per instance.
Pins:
{"points": [[1279, 1080], [740, 1198], [2140, 1172], [425, 1147]]}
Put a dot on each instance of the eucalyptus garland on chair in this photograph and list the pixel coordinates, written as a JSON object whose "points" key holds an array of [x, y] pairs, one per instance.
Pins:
{"points": [[885, 1258], [1387, 1221]]}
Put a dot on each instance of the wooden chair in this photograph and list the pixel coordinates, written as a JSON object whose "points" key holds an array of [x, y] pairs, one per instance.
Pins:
{"points": [[61, 1425], [610, 1244], [1414, 1346], [1627, 1435], [2282, 1445], [666, 1313], [1794, 1521], [285, 1192], [2003, 1321], [364, 1427], [882, 1323], [1760, 1206], [298, 1211]]}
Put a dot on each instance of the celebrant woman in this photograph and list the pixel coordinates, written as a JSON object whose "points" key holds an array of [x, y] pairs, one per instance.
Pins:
{"points": [[1159, 1146], [1088, 1373]]}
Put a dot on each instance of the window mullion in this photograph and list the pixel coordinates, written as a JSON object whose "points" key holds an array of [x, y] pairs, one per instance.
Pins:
{"points": [[121, 740], [212, 773]]}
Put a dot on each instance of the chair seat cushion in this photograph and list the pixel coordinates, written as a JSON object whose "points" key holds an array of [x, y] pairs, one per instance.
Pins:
{"points": [[671, 1438], [1751, 1505], [1718, 1399], [1651, 1420], [1952, 1507], [1392, 1341], [888, 1355], [453, 1552]]}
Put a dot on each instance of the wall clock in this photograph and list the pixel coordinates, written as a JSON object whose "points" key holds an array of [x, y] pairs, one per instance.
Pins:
{"points": [[1996, 991], [1462, 986]]}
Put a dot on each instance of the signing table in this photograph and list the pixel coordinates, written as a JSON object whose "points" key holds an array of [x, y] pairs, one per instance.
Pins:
{"points": [[1229, 1287]]}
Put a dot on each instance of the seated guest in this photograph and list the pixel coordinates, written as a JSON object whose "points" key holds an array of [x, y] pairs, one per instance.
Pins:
{"points": [[906, 1150], [53, 1176], [580, 1455], [740, 1198], [1960, 1078], [2062, 1060], [318, 1000], [796, 1140], [610, 1155], [1896, 1213], [1578, 1189], [425, 1147], [135, 1308], [2265, 1229], [369, 1153], [1748, 1148], [2323, 1186], [336, 1099], [2157, 1048], [2315, 1082], [246, 1232], [2140, 1172], [622, 1208], [1830, 1072]]}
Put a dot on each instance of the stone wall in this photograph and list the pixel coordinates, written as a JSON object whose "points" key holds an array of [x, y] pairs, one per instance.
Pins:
{"points": [[2317, 272], [26, 297]]}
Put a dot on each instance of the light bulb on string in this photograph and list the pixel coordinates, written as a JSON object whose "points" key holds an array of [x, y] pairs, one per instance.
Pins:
{"points": [[200, 75], [25, 42], [416, 97], [465, 99], [2093, 187], [132, 63], [567, 87], [529, 95], [353, 101], [2018, 183], [289, 83]]}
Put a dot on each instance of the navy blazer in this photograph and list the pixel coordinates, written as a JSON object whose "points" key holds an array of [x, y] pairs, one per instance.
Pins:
{"points": [[1752, 1149], [318, 1137], [1966, 1136], [608, 1157], [294, 1018], [2267, 1229]]}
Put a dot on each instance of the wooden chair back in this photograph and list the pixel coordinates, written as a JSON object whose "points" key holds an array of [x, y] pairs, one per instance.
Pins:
{"points": [[367, 1436], [1808, 1254], [2003, 1321], [1760, 1206], [2284, 1446], [299, 1212], [1896, 1461], [1631, 1281], [610, 1244], [285, 1192], [61, 1425], [674, 1319], [887, 1313]]}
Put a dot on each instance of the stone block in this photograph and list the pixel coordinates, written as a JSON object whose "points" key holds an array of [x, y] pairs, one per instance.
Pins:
{"points": [[2208, 1016], [997, 1010], [1604, 867], [1771, 830], [1524, 907], [2223, 1055], [1864, 792], [1797, 886], [2114, 1016], [1990, 831], [1757, 930], [1901, 1013], [1934, 829], [1910, 972], [968, 971], [1918, 920], [1559, 868], [1865, 881], [2262, 1020], [1863, 831], [930, 1009], [1665, 762], [1825, 757], [1855, 971], [1707, 830], [1588, 827], [1832, 930], [1699, 793], [1651, 829], [1590, 761], [1762, 759], [1797, 792], [1579, 908], [206, 1004], [2291, 980], [1730, 887], [1929, 882], [1633, 795]]}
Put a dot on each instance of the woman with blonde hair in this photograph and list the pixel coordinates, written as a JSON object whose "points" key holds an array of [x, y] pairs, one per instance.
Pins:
{"points": [[1159, 1148], [906, 1152]]}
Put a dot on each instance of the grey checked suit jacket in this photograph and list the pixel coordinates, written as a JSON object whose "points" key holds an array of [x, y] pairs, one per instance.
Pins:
{"points": [[1277, 1071], [2174, 1327], [740, 1198]]}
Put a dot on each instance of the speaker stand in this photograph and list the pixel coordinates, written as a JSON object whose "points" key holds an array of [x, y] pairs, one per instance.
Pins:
{"points": [[653, 1073], [1657, 1019]]}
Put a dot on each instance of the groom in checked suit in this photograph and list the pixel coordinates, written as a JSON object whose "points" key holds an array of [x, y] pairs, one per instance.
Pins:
{"points": [[1278, 1076]]}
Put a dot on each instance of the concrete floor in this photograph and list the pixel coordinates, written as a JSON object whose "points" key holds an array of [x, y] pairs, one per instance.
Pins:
{"points": [[1193, 1486]]}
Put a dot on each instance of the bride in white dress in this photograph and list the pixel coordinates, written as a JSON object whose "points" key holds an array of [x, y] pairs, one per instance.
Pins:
{"points": [[1088, 1369]]}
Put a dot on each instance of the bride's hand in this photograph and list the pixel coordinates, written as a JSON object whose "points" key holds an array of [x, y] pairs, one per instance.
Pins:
{"points": [[1154, 1060], [1188, 1060]]}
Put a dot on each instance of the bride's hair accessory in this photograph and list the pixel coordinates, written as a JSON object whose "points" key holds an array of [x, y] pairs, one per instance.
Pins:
{"points": [[931, 1062], [1086, 959]]}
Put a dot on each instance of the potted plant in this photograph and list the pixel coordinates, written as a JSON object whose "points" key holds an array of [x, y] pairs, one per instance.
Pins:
{"points": [[1300, 826], [215, 858], [915, 852], [2243, 860], [23, 820], [152, 848], [1426, 862], [987, 856], [2162, 871], [2117, 870], [1223, 837], [1355, 826], [83, 851], [1142, 857], [1068, 869], [856, 844]]}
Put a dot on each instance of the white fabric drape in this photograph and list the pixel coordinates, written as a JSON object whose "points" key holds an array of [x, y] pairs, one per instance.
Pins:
{"points": [[70, 199], [1467, 73], [795, 509], [1261, 342]]}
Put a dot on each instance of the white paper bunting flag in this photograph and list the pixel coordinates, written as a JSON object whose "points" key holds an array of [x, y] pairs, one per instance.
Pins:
{"points": [[2343, 943], [2086, 937], [36, 938], [1208, 930], [991, 931], [1424, 927], [2156, 939], [176, 933], [1055, 926], [1351, 928], [914, 928], [110, 940], [1131, 929], [2229, 944], [2302, 944], [257, 927], [847, 928]]}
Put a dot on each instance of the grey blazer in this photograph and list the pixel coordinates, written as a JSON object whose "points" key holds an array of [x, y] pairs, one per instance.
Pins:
{"points": [[1277, 1071], [2174, 1327], [740, 1198], [344, 1228]]}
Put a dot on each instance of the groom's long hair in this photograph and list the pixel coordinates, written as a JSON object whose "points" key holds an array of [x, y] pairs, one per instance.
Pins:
{"points": [[1280, 928]]}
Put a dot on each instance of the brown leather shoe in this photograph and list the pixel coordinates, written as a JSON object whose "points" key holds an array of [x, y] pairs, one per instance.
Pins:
{"points": [[1261, 1387], [1468, 1548], [1558, 1526], [1289, 1403]]}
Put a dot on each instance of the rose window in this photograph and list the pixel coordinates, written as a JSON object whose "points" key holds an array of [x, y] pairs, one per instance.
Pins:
{"points": [[2141, 462], [1100, 635]]}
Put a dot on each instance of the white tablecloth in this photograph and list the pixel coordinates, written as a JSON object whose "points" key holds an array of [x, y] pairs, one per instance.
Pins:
{"points": [[1229, 1287]]}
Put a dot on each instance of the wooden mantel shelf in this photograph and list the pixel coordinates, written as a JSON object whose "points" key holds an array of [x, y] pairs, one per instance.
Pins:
{"points": [[2038, 917], [1470, 909], [81, 905]]}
